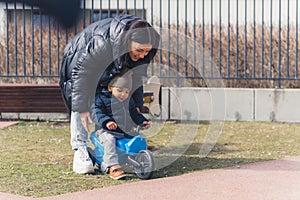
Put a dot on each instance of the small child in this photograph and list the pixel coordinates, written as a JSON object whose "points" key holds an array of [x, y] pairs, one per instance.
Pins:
{"points": [[116, 116]]}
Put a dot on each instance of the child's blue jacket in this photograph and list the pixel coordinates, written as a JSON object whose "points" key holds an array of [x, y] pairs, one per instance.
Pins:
{"points": [[108, 108]]}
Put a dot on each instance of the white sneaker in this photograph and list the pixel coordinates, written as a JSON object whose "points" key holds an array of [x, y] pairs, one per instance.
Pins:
{"points": [[82, 163]]}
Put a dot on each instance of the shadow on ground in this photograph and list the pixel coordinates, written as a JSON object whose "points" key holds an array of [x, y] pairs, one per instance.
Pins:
{"points": [[191, 161]]}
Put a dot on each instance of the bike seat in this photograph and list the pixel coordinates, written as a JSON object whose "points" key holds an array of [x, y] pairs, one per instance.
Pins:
{"points": [[133, 145], [127, 145], [121, 143]]}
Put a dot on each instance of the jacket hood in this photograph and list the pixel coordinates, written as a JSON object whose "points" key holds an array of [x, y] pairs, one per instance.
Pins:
{"points": [[119, 25]]}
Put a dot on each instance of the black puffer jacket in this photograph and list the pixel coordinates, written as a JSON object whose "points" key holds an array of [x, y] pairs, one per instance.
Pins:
{"points": [[92, 58]]}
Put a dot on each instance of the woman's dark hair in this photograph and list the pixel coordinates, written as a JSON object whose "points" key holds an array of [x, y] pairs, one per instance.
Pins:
{"points": [[141, 32]]}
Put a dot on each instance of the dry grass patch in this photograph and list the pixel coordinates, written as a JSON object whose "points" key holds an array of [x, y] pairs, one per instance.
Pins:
{"points": [[36, 158]]}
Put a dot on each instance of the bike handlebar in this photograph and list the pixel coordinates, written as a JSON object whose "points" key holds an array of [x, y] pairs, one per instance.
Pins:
{"points": [[140, 127]]}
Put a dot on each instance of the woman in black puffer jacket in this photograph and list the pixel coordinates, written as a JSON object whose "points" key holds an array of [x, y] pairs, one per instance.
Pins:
{"points": [[92, 58]]}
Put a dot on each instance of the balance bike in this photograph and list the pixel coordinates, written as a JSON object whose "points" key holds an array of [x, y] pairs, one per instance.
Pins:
{"points": [[131, 151]]}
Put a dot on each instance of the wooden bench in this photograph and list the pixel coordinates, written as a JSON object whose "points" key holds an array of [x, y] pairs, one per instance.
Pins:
{"points": [[47, 98], [31, 98]]}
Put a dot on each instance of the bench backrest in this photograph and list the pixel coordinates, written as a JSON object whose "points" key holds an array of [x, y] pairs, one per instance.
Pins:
{"points": [[31, 98], [18, 98]]}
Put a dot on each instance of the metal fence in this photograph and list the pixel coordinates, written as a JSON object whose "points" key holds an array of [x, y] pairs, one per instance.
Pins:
{"points": [[249, 43]]}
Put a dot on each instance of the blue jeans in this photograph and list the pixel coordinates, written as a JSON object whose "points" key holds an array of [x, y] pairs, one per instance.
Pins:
{"points": [[79, 136]]}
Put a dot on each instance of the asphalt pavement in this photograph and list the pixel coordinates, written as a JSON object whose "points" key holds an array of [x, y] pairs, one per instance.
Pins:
{"points": [[269, 180]]}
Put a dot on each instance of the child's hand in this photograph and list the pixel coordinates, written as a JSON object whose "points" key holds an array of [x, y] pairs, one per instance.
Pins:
{"points": [[146, 124], [111, 125]]}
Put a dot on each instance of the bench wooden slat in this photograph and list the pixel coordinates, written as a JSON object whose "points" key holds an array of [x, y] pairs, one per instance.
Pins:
{"points": [[31, 98]]}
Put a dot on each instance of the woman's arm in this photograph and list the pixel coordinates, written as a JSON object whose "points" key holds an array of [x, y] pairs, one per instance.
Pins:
{"points": [[138, 95], [90, 64]]}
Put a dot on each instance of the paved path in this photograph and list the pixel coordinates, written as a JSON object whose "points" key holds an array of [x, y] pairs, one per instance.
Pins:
{"points": [[270, 180], [6, 123]]}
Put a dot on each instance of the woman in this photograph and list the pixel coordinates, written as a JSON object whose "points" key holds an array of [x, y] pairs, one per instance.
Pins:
{"points": [[92, 58]]}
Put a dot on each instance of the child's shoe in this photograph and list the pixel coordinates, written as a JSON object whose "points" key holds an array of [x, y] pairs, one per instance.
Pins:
{"points": [[116, 173]]}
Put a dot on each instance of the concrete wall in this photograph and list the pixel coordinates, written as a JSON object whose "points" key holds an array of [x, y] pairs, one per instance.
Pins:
{"points": [[231, 104], [226, 104]]}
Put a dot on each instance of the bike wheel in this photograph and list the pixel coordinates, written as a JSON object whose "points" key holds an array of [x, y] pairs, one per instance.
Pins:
{"points": [[146, 164]]}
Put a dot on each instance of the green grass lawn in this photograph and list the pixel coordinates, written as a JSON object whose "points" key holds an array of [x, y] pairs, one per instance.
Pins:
{"points": [[36, 157]]}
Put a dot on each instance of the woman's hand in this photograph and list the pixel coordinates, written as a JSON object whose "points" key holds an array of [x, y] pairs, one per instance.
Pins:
{"points": [[85, 119], [111, 125]]}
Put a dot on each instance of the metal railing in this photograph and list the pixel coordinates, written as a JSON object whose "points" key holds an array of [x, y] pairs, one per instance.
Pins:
{"points": [[249, 43]]}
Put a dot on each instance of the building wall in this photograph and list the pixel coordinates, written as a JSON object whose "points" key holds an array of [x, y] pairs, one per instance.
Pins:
{"points": [[202, 11]]}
